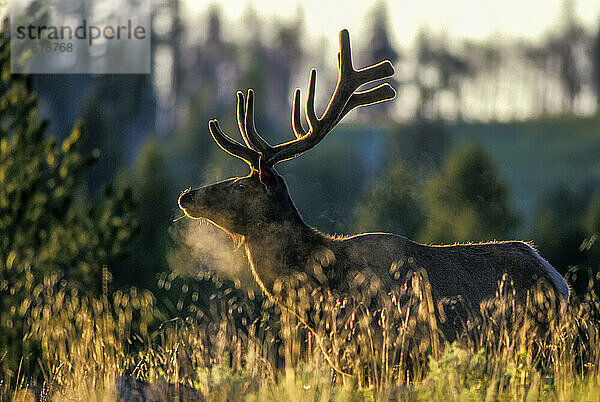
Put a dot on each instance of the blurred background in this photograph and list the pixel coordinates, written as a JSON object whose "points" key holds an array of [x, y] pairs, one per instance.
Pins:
{"points": [[494, 134]]}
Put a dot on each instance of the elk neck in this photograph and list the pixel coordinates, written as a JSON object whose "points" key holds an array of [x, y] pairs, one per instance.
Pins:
{"points": [[277, 249]]}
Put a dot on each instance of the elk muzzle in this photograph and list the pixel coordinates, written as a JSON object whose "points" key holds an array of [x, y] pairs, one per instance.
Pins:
{"points": [[188, 204], [186, 199]]}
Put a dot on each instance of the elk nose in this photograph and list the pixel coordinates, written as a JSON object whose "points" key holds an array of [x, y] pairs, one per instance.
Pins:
{"points": [[186, 199]]}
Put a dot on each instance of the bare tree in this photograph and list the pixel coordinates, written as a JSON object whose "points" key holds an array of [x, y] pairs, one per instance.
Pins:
{"points": [[596, 66]]}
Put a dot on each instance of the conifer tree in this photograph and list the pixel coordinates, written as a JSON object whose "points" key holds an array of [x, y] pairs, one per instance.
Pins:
{"points": [[467, 201], [391, 204], [51, 235]]}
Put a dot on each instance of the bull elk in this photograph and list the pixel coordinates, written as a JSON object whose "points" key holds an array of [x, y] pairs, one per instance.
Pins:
{"points": [[278, 243]]}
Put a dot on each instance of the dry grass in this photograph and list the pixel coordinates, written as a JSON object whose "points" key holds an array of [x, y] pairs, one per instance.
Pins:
{"points": [[96, 349]]}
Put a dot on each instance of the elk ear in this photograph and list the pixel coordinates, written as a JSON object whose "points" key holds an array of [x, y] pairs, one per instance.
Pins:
{"points": [[268, 177]]}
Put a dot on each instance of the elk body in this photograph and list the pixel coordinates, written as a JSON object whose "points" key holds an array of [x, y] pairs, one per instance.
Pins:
{"points": [[258, 210]]}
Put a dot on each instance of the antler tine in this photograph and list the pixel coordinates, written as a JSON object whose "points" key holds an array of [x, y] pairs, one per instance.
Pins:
{"points": [[378, 94], [349, 80], [343, 100], [241, 115], [245, 119], [296, 123], [311, 116], [259, 142], [231, 146]]}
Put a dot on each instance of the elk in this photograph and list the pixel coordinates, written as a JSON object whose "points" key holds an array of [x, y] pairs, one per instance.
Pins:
{"points": [[257, 210]]}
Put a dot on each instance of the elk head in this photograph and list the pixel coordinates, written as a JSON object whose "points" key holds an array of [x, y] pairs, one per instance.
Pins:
{"points": [[244, 205]]}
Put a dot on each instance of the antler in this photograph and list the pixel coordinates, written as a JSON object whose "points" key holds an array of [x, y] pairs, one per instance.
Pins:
{"points": [[231, 146], [246, 124], [344, 99]]}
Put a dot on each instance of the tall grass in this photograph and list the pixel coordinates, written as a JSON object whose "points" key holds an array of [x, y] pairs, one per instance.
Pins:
{"points": [[357, 349]]}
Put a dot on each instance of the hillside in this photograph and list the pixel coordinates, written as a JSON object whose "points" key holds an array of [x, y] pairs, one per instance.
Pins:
{"points": [[539, 155]]}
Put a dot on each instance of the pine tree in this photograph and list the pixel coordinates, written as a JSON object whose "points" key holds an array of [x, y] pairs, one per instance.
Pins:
{"points": [[155, 205], [467, 201], [52, 236], [592, 216], [591, 226], [392, 204], [557, 229], [380, 48], [596, 67]]}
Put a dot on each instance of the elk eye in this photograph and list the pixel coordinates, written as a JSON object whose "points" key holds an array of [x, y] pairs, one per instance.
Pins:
{"points": [[240, 186]]}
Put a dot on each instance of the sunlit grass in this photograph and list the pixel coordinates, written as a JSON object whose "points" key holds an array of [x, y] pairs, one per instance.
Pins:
{"points": [[101, 349]]}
